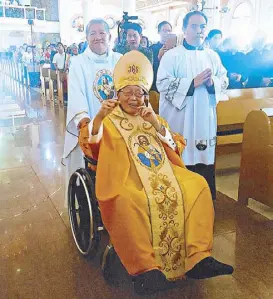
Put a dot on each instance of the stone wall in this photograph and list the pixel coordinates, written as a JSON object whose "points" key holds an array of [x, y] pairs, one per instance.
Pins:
{"points": [[51, 6]]}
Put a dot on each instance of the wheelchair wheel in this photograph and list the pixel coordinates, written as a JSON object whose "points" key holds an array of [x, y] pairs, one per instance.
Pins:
{"points": [[84, 213]]}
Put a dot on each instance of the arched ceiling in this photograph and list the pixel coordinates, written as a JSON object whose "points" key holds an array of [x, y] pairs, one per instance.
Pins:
{"points": [[140, 4]]}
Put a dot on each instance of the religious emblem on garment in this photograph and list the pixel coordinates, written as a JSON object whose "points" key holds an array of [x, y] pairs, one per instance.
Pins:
{"points": [[146, 150], [201, 145], [173, 87], [103, 85]]}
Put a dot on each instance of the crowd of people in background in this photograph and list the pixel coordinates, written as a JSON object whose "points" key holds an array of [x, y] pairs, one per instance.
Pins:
{"points": [[27, 54], [251, 67], [247, 68]]}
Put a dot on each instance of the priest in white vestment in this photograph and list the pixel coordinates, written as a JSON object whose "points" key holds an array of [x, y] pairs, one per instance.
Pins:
{"points": [[90, 83], [191, 81]]}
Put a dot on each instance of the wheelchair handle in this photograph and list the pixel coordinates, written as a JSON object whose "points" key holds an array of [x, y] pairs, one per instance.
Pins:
{"points": [[90, 160]]}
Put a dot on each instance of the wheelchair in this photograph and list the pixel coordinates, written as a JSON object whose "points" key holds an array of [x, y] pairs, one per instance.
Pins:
{"points": [[85, 218], [86, 223]]}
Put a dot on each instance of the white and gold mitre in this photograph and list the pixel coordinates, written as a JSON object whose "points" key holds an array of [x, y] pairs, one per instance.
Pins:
{"points": [[134, 68]]}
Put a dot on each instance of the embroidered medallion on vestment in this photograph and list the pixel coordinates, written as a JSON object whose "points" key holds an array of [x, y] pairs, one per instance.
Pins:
{"points": [[103, 85]]}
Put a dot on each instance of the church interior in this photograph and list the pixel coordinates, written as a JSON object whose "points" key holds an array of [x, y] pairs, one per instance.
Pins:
{"points": [[39, 257]]}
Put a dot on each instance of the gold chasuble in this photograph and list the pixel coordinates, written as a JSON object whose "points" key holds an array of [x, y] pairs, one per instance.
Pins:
{"points": [[163, 192], [158, 214]]}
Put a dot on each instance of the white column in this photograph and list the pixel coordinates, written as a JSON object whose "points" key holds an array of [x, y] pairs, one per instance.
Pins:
{"points": [[65, 20], [129, 6], [91, 9], [211, 10], [103, 8], [85, 9]]}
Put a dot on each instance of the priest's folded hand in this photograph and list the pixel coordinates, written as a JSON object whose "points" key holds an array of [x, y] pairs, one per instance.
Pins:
{"points": [[209, 82], [202, 78]]}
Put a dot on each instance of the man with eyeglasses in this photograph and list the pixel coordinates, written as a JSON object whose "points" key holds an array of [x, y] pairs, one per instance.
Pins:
{"points": [[190, 81], [90, 77]]}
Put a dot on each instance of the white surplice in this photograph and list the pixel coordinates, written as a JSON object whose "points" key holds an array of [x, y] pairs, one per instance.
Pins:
{"points": [[84, 96], [194, 117]]}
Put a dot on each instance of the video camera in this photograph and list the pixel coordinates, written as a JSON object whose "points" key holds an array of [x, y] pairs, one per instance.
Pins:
{"points": [[122, 26], [126, 18]]}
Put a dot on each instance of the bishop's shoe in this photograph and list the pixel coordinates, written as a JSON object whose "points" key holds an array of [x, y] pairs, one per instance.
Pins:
{"points": [[209, 267], [151, 282]]}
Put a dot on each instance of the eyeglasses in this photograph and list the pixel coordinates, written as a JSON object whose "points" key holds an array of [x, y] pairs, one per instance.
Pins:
{"points": [[128, 94]]}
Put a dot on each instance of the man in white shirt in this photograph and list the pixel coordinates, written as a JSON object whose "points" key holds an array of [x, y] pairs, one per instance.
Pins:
{"points": [[59, 61], [59, 58], [90, 83], [27, 56]]}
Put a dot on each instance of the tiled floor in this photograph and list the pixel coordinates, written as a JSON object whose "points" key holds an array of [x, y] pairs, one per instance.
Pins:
{"points": [[38, 256]]}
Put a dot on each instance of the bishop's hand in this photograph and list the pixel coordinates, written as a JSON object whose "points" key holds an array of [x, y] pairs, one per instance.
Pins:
{"points": [[148, 114], [106, 108]]}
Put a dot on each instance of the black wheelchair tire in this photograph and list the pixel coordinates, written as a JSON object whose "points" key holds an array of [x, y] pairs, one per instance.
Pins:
{"points": [[89, 210]]}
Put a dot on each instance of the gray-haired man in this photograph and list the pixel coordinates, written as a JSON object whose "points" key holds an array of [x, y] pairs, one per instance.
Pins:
{"points": [[90, 83]]}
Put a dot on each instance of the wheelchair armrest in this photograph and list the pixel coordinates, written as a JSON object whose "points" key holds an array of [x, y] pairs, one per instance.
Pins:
{"points": [[91, 160]]}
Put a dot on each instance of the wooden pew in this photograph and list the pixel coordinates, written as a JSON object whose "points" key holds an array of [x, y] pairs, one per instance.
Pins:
{"points": [[52, 78], [44, 78], [15, 71], [21, 73], [232, 114], [12, 68], [18, 72], [3, 66], [7, 66], [256, 172], [60, 89]]}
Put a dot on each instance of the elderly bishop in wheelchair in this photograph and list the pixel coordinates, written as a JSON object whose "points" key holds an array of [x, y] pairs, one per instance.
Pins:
{"points": [[159, 215]]}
